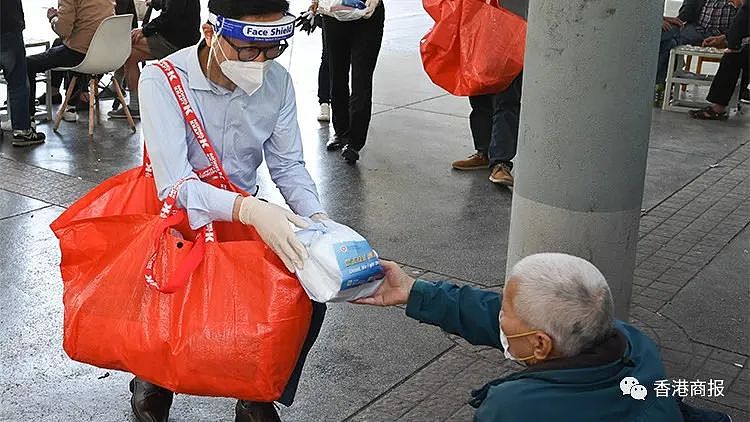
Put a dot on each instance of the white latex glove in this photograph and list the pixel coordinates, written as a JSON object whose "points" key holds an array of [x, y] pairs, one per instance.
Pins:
{"points": [[272, 224], [371, 6]]}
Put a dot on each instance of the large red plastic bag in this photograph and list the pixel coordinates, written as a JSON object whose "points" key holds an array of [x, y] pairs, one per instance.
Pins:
{"points": [[341, 265], [222, 315], [474, 47]]}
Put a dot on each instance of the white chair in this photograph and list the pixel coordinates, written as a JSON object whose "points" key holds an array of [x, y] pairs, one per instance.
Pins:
{"points": [[108, 51]]}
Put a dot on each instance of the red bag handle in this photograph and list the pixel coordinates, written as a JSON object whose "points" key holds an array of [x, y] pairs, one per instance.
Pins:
{"points": [[171, 217]]}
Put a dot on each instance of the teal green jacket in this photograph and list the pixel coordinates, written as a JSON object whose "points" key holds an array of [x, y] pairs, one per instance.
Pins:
{"points": [[581, 389]]}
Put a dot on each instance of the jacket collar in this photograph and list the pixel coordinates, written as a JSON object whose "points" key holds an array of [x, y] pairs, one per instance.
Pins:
{"points": [[612, 350]]}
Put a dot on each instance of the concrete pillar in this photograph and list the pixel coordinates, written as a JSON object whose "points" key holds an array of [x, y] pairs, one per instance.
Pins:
{"points": [[585, 120]]}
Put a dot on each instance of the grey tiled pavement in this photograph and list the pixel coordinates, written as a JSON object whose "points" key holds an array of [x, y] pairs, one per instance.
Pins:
{"points": [[691, 293]]}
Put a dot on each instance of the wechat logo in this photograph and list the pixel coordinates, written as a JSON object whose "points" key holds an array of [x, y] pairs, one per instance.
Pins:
{"points": [[631, 387]]}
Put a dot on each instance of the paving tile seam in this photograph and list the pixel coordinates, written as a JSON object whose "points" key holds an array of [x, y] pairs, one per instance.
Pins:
{"points": [[45, 170], [26, 212], [407, 105], [435, 112], [399, 383]]}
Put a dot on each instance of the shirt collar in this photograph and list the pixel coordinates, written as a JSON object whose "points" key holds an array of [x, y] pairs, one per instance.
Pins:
{"points": [[197, 79]]}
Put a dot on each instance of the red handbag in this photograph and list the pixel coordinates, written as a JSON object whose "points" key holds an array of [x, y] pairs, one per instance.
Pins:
{"points": [[474, 47], [208, 312]]}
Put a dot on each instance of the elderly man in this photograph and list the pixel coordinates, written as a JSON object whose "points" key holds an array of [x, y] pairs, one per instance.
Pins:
{"points": [[557, 320], [697, 20]]}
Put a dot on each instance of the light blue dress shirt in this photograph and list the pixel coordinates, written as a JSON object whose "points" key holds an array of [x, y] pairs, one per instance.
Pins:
{"points": [[243, 129]]}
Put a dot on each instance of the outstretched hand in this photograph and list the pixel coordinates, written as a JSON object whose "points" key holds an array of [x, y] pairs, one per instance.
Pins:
{"points": [[395, 289]]}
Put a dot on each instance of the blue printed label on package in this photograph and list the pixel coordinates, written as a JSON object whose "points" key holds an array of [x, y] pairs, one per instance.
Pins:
{"points": [[254, 31], [358, 263]]}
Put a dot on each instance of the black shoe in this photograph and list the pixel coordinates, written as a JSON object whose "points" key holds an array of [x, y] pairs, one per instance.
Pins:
{"points": [[252, 411], [25, 138], [56, 99], [350, 154], [150, 403], [335, 143]]}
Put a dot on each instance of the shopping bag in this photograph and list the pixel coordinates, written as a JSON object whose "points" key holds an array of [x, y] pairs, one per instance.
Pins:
{"points": [[342, 266], [474, 47], [207, 312], [343, 10]]}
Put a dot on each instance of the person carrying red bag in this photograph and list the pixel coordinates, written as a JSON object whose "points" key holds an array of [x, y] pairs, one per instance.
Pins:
{"points": [[246, 103]]}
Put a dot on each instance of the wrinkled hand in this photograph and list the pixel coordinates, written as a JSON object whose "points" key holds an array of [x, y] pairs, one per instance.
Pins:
{"points": [[371, 6], [395, 289], [668, 22], [136, 35], [51, 13], [272, 224], [719, 41]]}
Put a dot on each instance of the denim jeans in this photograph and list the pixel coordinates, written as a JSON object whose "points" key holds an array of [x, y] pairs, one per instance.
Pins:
{"points": [[687, 35], [13, 64], [494, 122]]}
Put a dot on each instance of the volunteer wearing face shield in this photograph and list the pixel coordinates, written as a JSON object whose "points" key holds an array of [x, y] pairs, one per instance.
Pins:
{"points": [[246, 102], [555, 317]]}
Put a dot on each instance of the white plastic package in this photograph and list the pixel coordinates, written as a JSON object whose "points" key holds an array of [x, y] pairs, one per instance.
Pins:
{"points": [[341, 267], [343, 10]]}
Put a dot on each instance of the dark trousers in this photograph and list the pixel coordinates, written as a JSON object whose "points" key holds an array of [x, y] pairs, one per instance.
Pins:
{"points": [[726, 76], [59, 56], [13, 65], [324, 75], [687, 35], [318, 314], [494, 122], [353, 45]]}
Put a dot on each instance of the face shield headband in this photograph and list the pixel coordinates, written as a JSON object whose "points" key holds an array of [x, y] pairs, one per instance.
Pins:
{"points": [[275, 31]]}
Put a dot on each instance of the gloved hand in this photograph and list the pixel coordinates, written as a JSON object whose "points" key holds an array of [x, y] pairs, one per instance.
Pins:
{"points": [[371, 6], [306, 21], [272, 224]]}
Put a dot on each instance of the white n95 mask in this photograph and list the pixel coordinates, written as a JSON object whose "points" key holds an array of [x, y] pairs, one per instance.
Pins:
{"points": [[248, 76]]}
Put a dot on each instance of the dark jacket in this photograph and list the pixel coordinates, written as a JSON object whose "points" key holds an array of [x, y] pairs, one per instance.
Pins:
{"points": [[11, 16], [581, 389], [179, 23], [739, 29], [690, 10]]}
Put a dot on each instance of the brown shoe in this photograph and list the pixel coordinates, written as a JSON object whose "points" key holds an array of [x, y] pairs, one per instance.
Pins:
{"points": [[501, 175], [150, 403], [476, 161], [254, 411]]}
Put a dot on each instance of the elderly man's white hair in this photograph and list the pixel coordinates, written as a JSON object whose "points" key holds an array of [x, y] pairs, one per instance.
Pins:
{"points": [[566, 297]]}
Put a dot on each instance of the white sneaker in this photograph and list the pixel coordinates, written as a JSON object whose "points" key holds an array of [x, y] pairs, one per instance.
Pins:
{"points": [[5, 126], [325, 113], [69, 115]]}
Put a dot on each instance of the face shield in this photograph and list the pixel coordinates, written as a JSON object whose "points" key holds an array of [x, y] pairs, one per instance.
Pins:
{"points": [[251, 40]]}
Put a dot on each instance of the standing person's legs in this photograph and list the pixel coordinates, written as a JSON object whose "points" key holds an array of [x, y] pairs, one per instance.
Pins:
{"points": [[480, 123], [504, 141], [339, 60], [324, 82], [367, 38], [324, 75], [506, 113], [60, 56], [13, 64]]}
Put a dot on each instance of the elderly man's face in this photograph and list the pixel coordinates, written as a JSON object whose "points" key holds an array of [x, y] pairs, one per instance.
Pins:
{"points": [[539, 344]]}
